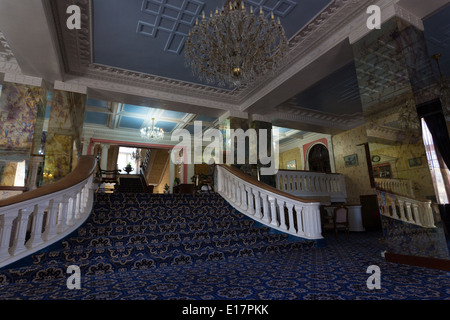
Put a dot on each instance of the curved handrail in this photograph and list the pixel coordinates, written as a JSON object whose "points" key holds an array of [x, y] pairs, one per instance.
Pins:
{"points": [[262, 185], [84, 169], [34, 220], [268, 205]]}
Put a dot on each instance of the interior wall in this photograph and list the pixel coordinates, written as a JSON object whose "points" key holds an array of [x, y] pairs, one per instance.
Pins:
{"points": [[398, 156], [357, 178], [289, 155]]}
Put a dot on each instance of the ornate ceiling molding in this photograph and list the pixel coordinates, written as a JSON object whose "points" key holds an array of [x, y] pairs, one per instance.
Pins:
{"points": [[77, 50], [8, 63], [321, 119]]}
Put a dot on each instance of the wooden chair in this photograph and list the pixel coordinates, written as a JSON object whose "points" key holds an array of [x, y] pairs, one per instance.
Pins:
{"points": [[206, 179], [108, 176], [340, 220]]}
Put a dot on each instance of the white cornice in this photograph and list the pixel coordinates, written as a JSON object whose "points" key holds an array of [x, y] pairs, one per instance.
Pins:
{"points": [[71, 87], [22, 79], [389, 9]]}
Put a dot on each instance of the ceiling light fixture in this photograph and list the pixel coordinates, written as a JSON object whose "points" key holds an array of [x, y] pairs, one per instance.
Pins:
{"points": [[153, 132], [235, 47]]}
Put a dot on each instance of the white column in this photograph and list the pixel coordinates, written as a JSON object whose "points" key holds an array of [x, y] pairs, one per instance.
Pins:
{"points": [[104, 157]]}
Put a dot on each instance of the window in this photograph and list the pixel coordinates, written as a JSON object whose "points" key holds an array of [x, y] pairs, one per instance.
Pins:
{"points": [[439, 171], [125, 157]]}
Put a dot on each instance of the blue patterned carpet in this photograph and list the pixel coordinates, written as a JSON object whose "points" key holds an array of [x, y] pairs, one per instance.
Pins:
{"points": [[140, 247]]}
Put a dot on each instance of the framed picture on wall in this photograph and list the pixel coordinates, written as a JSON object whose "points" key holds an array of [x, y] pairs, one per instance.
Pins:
{"points": [[351, 160], [415, 162], [382, 171], [291, 165]]}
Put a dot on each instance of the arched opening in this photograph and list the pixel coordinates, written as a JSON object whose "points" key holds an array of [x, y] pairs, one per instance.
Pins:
{"points": [[319, 159]]}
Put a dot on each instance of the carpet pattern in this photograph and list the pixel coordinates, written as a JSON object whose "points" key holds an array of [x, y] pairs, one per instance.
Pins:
{"points": [[164, 247]]}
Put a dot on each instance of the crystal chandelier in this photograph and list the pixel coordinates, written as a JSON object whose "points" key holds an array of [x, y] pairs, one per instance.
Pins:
{"points": [[152, 133], [234, 46]]}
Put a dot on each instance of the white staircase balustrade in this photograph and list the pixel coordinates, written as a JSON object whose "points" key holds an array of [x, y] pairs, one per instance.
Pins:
{"points": [[34, 220], [268, 205], [312, 184], [406, 209], [398, 186]]}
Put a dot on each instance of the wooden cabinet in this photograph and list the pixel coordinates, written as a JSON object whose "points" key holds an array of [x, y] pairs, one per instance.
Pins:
{"points": [[370, 212]]}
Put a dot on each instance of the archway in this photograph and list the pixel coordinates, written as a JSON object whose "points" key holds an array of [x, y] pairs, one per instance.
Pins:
{"points": [[319, 159]]}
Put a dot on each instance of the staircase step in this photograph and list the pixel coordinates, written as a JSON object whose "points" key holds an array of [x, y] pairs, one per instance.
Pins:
{"points": [[50, 266], [91, 230], [157, 235], [128, 232]]}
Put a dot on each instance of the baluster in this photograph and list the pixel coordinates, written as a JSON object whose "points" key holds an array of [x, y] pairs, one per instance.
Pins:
{"points": [[62, 217], [300, 226], [290, 206], [415, 210], [78, 209], [18, 245], [8, 219], [408, 212], [233, 191], [429, 219], [237, 185], [266, 213], [393, 205], [401, 209], [71, 211], [83, 199], [36, 226], [244, 198], [250, 208], [273, 212], [50, 225], [258, 213], [282, 214]]}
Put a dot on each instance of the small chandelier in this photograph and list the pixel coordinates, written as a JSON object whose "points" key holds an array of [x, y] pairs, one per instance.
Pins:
{"points": [[235, 47], [152, 133]]}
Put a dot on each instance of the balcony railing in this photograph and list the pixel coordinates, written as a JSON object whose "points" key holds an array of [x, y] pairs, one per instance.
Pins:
{"points": [[312, 184], [35, 219], [397, 186], [399, 207]]}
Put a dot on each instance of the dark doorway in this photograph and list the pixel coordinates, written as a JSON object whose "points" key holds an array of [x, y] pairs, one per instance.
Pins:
{"points": [[319, 159]]}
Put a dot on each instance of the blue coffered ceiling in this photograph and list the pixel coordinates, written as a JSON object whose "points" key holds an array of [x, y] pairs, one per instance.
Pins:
{"points": [[148, 35]]}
